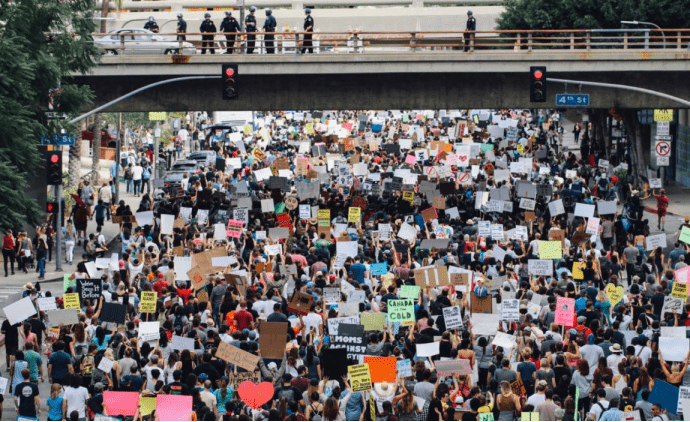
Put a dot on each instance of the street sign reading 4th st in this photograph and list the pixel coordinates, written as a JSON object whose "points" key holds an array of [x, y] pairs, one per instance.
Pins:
{"points": [[581, 100], [61, 139]]}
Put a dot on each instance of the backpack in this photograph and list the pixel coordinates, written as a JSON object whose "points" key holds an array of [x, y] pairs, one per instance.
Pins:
{"points": [[288, 393], [128, 174], [146, 174], [90, 247], [603, 409], [179, 322]]}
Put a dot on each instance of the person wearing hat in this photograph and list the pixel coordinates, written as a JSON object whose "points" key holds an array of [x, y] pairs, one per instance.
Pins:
{"points": [[151, 25], [229, 26], [269, 28], [207, 27], [181, 29], [470, 26], [615, 357], [309, 28], [250, 27]]}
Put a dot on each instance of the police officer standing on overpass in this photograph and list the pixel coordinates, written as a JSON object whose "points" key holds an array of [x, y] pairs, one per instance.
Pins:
{"points": [[250, 24], [151, 25], [181, 28], [208, 27], [471, 26], [308, 27], [269, 28], [229, 24]]}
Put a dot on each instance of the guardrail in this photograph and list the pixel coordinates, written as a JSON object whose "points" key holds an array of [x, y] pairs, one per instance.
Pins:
{"points": [[359, 42]]}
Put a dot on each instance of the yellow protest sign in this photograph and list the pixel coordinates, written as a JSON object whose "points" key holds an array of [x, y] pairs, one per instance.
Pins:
{"points": [[615, 294], [258, 153], [71, 301], [577, 270], [324, 214], [680, 290], [147, 405], [148, 302], [663, 115], [550, 249], [520, 149], [408, 196], [360, 377], [247, 129], [157, 115], [354, 215]]}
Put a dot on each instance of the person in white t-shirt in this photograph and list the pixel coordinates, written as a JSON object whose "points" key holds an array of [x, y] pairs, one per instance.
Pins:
{"points": [[313, 320], [137, 172]]}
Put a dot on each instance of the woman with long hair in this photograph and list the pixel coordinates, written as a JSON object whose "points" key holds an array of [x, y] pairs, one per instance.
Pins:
{"points": [[315, 407], [223, 396], [28, 336], [172, 364], [55, 404], [293, 362], [81, 341], [507, 402], [331, 410], [601, 370], [16, 369], [583, 380], [405, 405], [70, 235], [313, 363], [483, 353]]}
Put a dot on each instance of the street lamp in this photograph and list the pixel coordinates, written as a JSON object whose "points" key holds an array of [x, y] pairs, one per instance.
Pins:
{"points": [[636, 23]]}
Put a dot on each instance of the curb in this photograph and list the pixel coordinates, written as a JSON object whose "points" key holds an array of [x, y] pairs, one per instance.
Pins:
{"points": [[53, 280]]}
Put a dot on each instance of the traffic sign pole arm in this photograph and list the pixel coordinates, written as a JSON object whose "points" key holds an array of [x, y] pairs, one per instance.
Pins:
{"points": [[625, 87], [137, 91]]}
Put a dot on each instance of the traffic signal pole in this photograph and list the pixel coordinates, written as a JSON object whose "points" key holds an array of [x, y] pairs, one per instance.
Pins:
{"points": [[617, 86], [58, 224]]}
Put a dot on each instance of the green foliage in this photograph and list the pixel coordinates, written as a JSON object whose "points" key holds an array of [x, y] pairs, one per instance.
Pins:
{"points": [[41, 43], [131, 120], [592, 14]]}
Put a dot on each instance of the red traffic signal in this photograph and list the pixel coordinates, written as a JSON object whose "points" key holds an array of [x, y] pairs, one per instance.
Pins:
{"points": [[538, 74], [52, 207], [230, 74], [229, 71], [54, 168], [537, 88]]}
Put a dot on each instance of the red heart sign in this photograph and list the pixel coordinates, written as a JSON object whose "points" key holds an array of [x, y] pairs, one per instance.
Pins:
{"points": [[255, 395], [462, 157]]}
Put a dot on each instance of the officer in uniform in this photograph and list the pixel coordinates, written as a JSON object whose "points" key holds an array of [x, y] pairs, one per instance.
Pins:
{"points": [[471, 26], [269, 26], [207, 26], [308, 27], [181, 28], [229, 24], [250, 25], [151, 25]]}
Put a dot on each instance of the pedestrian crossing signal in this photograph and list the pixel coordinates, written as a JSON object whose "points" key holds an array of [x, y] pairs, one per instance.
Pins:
{"points": [[229, 81]]}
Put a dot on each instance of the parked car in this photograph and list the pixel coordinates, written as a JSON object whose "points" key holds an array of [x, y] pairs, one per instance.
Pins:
{"points": [[141, 41], [108, 137], [184, 166], [203, 158]]}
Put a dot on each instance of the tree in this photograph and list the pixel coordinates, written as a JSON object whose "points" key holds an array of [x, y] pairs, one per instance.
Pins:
{"points": [[42, 42], [592, 14]]}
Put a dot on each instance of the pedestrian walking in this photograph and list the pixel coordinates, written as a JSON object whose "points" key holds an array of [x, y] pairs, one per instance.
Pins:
{"points": [[207, 27]]}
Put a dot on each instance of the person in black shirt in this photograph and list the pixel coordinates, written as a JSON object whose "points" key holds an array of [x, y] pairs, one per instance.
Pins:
{"points": [[229, 24], [308, 27], [250, 25], [208, 369], [11, 333], [181, 28], [26, 398], [176, 388]]}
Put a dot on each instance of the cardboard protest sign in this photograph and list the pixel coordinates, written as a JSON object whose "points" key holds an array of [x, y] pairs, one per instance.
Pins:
{"points": [[197, 278], [672, 304], [351, 338], [401, 310], [237, 356], [518, 387], [411, 292], [680, 290], [354, 215], [63, 316], [481, 305], [300, 303], [432, 276], [273, 337], [452, 317], [89, 288], [333, 323], [46, 303], [540, 267]]}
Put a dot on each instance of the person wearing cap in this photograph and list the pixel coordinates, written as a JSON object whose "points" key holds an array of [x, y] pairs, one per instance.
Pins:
{"points": [[250, 27], [269, 28], [207, 27], [181, 29], [151, 25], [470, 26], [309, 28], [229, 27]]}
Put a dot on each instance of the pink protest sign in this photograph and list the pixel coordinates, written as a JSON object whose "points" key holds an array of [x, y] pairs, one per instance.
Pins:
{"points": [[174, 408], [683, 275], [565, 311], [123, 403], [411, 160]]}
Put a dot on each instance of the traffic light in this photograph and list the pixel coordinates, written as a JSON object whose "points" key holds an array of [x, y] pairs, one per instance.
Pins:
{"points": [[52, 207], [537, 88], [230, 81], [54, 167]]}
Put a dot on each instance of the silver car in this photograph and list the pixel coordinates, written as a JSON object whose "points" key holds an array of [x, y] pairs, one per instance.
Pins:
{"points": [[141, 41]]}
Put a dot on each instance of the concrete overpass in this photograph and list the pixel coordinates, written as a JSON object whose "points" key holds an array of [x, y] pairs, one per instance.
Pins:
{"points": [[403, 80]]}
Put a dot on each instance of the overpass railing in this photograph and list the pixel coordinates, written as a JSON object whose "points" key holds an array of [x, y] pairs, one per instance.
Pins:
{"points": [[290, 42]]}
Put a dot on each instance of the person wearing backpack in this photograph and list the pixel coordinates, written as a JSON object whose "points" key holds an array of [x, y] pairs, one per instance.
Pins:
{"points": [[146, 178], [129, 175], [601, 405], [289, 392]]}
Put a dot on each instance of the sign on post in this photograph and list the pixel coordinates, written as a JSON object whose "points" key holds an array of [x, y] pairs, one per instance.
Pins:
{"points": [[572, 100]]}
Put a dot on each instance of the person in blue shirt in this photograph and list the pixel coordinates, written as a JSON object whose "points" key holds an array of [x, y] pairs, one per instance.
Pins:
{"points": [[614, 413], [358, 270], [54, 403]]}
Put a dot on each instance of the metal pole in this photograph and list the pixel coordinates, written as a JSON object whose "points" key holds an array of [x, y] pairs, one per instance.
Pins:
{"points": [[625, 87], [58, 225], [155, 151], [137, 91], [118, 151], [650, 24], [242, 50]]}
